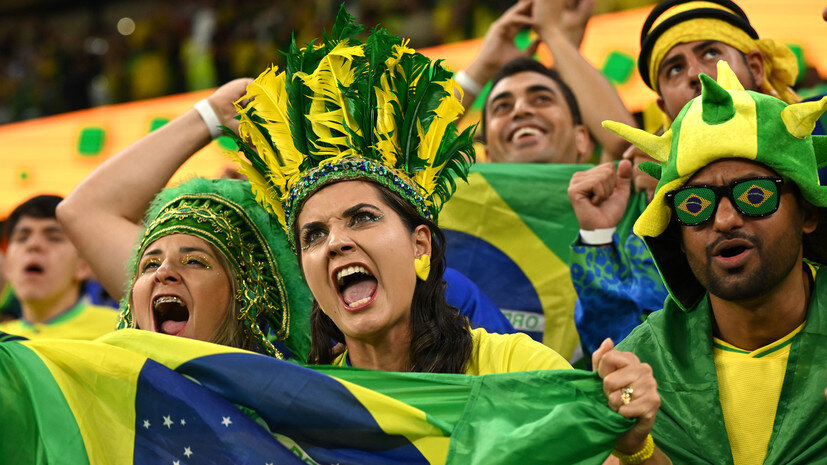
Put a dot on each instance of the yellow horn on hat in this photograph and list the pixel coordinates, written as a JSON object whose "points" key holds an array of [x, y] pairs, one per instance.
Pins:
{"points": [[656, 147], [800, 118], [727, 78]]}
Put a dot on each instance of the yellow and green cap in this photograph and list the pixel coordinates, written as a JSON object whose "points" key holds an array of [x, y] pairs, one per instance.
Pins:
{"points": [[728, 122]]}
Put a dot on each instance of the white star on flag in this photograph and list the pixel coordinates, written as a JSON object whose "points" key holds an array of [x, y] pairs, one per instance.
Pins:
{"points": [[168, 421], [183, 422], [187, 452], [146, 424], [226, 421], [176, 462]]}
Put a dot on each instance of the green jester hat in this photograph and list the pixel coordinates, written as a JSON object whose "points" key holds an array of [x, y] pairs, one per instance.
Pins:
{"points": [[727, 121]]}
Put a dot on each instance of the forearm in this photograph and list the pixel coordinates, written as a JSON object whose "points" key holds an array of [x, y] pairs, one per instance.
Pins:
{"points": [[102, 215], [480, 71], [658, 458], [604, 307], [124, 185], [596, 96]]}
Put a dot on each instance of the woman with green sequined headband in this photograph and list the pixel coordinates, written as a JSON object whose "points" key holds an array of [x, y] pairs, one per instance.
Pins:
{"points": [[209, 263]]}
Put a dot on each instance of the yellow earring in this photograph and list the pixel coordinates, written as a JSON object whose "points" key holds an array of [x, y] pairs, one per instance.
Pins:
{"points": [[422, 265]]}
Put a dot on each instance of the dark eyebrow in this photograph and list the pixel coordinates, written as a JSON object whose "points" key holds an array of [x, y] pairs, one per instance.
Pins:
{"points": [[53, 229], [347, 213], [540, 88], [352, 210], [194, 249], [153, 252], [669, 61], [703, 45], [501, 95], [312, 225]]}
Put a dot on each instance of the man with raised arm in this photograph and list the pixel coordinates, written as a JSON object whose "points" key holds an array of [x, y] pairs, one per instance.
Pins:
{"points": [[534, 114]]}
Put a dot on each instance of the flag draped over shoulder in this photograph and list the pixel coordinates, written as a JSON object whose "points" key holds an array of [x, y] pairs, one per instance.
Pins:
{"points": [[509, 230], [146, 398]]}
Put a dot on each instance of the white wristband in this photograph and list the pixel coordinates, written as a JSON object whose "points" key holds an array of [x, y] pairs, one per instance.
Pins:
{"points": [[207, 113], [468, 83], [597, 236]]}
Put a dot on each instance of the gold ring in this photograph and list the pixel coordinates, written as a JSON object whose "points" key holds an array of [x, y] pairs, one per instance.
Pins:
{"points": [[626, 395]]}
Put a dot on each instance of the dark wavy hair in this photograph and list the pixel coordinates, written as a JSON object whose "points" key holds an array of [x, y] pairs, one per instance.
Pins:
{"points": [[440, 335]]}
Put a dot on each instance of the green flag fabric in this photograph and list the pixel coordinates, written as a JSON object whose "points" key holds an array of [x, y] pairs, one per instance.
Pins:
{"points": [[146, 398]]}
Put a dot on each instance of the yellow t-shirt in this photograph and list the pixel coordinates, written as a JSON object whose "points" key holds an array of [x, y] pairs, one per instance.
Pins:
{"points": [[749, 386], [83, 321], [503, 353]]}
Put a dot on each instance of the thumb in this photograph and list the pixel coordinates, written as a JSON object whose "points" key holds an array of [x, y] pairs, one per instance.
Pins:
{"points": [[598, 354], [624, 176]]}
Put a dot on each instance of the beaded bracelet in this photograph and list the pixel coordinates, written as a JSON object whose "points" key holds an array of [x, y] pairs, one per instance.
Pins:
{"points": [[639, 456]]}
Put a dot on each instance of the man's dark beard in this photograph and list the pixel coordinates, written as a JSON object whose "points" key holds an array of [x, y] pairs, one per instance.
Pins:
{"points": [[776, 263]]}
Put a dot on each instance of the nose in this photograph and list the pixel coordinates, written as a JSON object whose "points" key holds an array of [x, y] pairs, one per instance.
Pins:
{"points": [[727, 218], [339, 241], [166, 273], [522, 107], [693, 70]]}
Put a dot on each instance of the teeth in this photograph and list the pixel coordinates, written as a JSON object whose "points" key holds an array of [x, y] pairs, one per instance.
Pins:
{"points": [[526, 131], [167, 299], [349, 271], [359, 302]]}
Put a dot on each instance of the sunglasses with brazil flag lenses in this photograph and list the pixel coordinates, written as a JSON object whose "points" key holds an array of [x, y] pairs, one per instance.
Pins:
{"points": [[753, 197]]}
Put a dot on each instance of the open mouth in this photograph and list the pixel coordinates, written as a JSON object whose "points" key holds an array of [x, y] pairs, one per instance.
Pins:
{"points": [[171, 314], [356, 286], [730, 252], [33, 269], [525, 133]]}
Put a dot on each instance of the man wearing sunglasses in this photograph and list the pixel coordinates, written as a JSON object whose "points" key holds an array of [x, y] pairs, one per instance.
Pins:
{"points": [[737, 228]]}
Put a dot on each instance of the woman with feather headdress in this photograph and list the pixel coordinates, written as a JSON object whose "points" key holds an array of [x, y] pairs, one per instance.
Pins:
{"points": [[354, 149]]}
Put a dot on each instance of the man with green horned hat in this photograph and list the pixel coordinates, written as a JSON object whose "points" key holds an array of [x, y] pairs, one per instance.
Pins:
{"points": [[736, 228]]}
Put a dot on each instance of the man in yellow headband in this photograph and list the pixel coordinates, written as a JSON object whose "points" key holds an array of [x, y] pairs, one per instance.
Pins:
{"points": [[683, 38], [680, 39]]}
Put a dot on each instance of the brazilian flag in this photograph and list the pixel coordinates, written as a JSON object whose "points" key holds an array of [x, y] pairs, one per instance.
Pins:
{"points": [[138, 397], [510, 230]]}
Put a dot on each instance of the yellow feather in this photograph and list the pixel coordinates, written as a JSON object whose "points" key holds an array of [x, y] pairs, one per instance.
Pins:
{"points": [[399, 51], [385, 130], [266, 196], [269, 98], [448, 110], [334, 70]]}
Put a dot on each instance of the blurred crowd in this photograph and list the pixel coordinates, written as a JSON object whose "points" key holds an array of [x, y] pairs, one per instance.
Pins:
{"points": [[75, 58]]}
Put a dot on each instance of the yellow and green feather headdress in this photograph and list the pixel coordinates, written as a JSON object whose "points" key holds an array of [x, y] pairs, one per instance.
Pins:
{"points": [[728, 122], [343, 109]]}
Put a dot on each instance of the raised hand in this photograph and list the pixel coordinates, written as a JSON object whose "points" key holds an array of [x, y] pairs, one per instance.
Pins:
{"points": [[222, 101], [498, 46], [599, 195]]}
